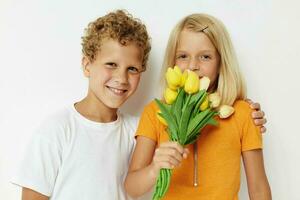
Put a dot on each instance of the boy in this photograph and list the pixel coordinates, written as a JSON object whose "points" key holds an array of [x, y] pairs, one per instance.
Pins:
{"points": [[82, 152]]}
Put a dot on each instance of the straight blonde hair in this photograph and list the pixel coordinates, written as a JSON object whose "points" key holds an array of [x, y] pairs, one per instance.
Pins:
{"points": [[230, 83]]}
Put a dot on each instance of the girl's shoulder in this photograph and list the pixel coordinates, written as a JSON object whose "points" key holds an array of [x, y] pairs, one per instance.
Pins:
{"points": [[241, 105], [151, 106], [242, 109]]}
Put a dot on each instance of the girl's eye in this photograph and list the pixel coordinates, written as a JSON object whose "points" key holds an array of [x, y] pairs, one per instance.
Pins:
{"points": [[205, 57], [133, 70]]}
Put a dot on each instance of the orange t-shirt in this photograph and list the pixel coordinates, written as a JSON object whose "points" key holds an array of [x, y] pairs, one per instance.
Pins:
{"points": [[219, 154]]}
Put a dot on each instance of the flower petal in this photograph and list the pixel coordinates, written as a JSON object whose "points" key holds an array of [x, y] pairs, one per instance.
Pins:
{"points": [[170, 95], [204, 83], [225, 111], [214, 99]]}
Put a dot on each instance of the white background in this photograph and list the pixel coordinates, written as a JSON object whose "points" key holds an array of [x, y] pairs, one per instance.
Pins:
{"points": [[40, 72]]}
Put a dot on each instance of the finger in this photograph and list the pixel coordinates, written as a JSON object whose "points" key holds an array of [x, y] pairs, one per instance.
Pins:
{"points": [[166, 165], [173, 161], [166, 158], [260, 122], [263, 129], [174, 145], [258, 114], [249, 101], [170, 151], [185, 153], [255, 106]]}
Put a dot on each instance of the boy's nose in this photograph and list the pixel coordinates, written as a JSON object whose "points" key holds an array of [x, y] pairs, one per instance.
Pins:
{"points": [[121, 76]]}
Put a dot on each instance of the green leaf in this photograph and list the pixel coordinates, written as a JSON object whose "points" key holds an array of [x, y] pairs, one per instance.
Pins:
{"points": [[199, 102], [178, 105], [203, 122], [192, 139], [196, 121], [212, 122], [172, 129], [184, 122], [195, 98], [171, 121]]}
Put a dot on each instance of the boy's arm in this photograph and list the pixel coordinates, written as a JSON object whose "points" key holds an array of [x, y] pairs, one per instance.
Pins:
{"points": [[28, 194], [258, 186]]}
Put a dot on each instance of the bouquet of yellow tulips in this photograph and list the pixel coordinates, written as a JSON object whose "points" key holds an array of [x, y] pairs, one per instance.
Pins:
{"points": [[186, 109]]}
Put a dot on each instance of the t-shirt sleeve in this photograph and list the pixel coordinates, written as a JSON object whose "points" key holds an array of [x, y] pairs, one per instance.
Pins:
{"points": [[148, 123], [251, 138], [39, 168]]}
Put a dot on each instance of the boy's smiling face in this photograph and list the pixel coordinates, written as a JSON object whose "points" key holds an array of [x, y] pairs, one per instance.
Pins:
{"points": [[115, 73]]}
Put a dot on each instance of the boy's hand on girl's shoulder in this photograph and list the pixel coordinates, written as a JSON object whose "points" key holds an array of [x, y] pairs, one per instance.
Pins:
{"points": [[258, 115], [169, 155]]}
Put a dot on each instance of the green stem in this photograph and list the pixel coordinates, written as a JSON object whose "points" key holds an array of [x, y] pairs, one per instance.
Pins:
{"points": [[187, 101], [162, 184]]}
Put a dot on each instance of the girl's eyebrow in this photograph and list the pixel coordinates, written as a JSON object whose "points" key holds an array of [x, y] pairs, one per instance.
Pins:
{"points": [[180, 51], [200, 51], [208, 51]]}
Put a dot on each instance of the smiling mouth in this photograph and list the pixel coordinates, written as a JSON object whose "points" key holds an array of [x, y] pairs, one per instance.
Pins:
{"points": [[116, 91]]}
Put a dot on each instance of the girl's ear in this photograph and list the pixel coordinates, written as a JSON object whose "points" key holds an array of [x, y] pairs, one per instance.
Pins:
{"points": [[85, 63]]}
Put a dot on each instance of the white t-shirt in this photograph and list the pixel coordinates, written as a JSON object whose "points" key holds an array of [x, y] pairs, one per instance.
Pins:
{"points": [[73, 158]]}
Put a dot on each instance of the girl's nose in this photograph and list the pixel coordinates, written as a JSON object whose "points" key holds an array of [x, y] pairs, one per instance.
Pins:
{"points": [[194, 65]]}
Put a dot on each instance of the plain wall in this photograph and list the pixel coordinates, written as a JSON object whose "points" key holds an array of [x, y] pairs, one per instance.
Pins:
{"points": [[40, 55]]}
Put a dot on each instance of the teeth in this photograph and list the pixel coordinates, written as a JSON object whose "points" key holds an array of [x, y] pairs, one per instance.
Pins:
{"points": [[117, 91]]}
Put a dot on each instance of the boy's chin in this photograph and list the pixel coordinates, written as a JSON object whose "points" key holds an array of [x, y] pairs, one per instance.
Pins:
{"points": [[115, 105]]}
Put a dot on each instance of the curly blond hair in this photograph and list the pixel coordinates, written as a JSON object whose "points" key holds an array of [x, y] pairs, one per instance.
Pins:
{"points": [[120, 26]]}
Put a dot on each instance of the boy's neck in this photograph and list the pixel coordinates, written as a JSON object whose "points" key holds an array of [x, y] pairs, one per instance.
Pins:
{"points": [[95, 111]]}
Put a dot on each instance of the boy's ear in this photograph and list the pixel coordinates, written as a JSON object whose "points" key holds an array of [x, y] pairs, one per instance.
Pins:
{"points": [[85, 63]]}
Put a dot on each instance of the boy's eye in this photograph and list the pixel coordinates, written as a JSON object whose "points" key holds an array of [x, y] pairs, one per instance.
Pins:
{"points": [[181, 56], [133, 70], [111, 65]]}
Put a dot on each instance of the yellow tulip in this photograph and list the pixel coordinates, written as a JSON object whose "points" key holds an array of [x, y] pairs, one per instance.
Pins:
{"points": [[170, 95], [214, 99], [225, 111], [204, 83], [204, 104], [183, 78], [161, 119], [192, 83], [177, 70], [173, 77]]}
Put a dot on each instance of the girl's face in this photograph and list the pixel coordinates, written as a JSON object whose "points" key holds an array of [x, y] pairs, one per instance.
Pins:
{"points": [[196, 52]]}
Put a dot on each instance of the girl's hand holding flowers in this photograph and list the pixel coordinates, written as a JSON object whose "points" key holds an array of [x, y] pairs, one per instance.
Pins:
{"points": [[168, 156]]}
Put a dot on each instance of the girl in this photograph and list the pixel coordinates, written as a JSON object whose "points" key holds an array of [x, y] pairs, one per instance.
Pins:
{"points": [[211, 171]]}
